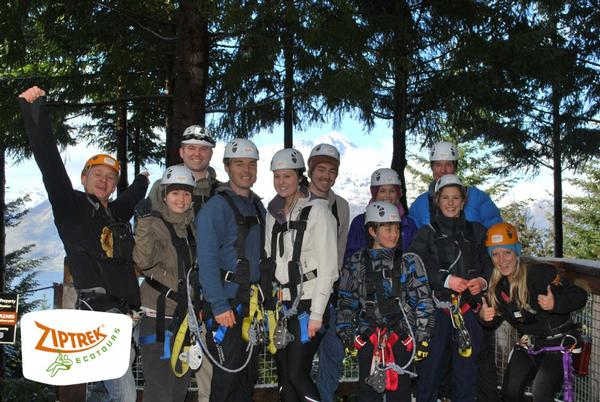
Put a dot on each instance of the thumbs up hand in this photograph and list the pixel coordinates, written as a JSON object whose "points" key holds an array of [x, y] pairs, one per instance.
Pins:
{"points": [[486, 313], [546, 301]]}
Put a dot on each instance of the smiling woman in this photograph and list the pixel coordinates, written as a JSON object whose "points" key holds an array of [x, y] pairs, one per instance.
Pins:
{"points": [[299, 233], [164, 253], [533, 298], [458, 268]]}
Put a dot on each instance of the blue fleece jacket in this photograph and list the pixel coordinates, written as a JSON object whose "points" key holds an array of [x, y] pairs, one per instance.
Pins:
{"points": [[217, 233], [480, 208]]}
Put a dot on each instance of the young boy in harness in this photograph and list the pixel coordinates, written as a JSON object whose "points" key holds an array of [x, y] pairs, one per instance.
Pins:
{"points": [[385, 308]]}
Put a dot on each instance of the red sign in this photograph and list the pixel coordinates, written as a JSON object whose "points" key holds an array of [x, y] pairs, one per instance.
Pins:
{"points": [[9, 306]]}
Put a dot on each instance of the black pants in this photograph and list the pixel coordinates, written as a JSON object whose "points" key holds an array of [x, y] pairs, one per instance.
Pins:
{"points": [[545, 370], [161, 385], [294, 364], [366, 393], [487, 380], [231, 353]]}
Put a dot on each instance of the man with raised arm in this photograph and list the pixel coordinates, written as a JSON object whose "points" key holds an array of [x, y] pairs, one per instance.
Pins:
{"points": [[94, 229]]}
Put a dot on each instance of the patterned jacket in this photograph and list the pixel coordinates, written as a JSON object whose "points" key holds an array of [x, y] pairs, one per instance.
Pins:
{"points": [[415, 295]]}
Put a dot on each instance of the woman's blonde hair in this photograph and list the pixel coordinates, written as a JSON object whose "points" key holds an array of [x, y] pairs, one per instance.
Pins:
{"points": [[518, 285]]}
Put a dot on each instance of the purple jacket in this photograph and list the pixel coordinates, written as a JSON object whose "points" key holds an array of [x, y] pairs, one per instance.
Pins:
{"points": [[357, 240]]}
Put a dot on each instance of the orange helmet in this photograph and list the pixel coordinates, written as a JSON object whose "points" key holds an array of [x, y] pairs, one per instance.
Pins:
{"points": [[503, 235], [102, 159]]}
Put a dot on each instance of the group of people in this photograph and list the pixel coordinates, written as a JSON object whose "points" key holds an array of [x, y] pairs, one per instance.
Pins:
{"points": [[417, 293]]}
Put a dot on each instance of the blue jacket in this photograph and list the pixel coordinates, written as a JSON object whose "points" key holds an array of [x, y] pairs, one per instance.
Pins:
{"points": [[357, 240], [480, 208], [217, 233]]}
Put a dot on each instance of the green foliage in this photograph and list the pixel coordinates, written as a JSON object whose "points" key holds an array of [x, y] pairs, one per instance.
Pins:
{"points": [[582, 216], [20, 389], [478, 165], [536, 241]]}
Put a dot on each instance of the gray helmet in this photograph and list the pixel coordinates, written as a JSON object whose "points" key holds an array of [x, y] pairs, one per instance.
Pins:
{"points": [[240, 148], [384, 176], [447, 180], [382, 212], [178, 174], [443, 151], [288, 158]]}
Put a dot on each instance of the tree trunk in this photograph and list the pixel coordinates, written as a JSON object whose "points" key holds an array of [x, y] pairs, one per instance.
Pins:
{"points": [[557, 167], [191, 72], [2, 241], [400, 104], [121, 128], [169, 143], [136, 153], [288, 83]]}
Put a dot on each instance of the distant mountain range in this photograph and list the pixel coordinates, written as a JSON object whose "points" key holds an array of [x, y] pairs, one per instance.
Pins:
{"points": [[38, 228]]}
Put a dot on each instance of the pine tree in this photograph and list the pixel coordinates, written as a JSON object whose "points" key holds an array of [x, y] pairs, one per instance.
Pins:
{"points": [[582, 216], [21, 278], [537, 242]]}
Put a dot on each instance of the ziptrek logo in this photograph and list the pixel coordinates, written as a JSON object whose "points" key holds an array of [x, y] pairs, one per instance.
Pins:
{"points": [[64, 347], [54, 340]]}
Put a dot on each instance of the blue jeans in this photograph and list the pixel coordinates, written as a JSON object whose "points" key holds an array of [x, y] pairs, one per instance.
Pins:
{"points": [[464, 369], [331, 356], [118, 390]]}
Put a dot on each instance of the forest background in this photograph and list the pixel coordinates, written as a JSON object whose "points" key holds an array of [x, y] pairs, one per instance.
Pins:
{"points": [[516, 84]]}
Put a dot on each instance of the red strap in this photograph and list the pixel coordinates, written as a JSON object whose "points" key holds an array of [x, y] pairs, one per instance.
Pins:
{"points": [[359, 342], [409, 343], [391, 383]]}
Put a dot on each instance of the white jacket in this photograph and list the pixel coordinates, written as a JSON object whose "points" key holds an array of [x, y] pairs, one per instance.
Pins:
{"points": [[319, 252]]}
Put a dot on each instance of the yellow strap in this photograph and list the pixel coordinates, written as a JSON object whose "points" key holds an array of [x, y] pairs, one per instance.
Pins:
{"points": [[272, 321], [255, 309], [178, 348]]}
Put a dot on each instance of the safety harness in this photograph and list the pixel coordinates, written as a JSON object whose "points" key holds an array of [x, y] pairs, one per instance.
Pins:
{"points": [[567, 361], [388, 322], [200, 199], [248, 301], [185, 249], [115, 252], [295, 275], [458, 304]]}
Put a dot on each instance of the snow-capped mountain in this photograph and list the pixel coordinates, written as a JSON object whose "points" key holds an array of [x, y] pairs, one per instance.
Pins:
{"points": [[357, 164]]}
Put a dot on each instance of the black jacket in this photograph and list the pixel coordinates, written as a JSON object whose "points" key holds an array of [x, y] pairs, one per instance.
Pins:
{"points": [[452, 246], [534, 320], [80, 218]]}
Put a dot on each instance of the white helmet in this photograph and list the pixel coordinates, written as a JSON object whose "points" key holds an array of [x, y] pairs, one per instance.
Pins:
{"points": [[323, 153], [178, 174], [288, 158], [384, 176], [241, 148], [443, 151], [448, 180], [325, 150], [197, 135], [382, 212]]}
